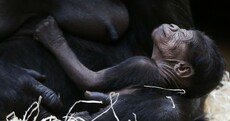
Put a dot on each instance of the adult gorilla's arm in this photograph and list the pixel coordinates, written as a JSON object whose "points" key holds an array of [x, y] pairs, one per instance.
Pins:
{"points": [[17, 94]]}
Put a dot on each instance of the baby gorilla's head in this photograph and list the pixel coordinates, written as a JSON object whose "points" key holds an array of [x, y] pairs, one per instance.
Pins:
{"points": [[188, 59]]}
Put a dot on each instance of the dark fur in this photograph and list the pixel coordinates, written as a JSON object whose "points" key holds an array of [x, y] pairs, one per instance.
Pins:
{"points": [[208, 64], [20, 49]]}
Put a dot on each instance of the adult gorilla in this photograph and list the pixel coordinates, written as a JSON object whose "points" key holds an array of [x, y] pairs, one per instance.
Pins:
{"points": [[103, 20], [19, 87]]}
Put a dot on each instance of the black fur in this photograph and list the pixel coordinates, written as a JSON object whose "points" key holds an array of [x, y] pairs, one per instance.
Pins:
{"points": [[20, 49]]}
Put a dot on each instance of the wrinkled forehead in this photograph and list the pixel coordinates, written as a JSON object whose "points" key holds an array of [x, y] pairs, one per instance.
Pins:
{"points": [[195, 38]]}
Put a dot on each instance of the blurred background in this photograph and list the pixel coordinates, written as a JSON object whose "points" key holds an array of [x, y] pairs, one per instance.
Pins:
{"points": [[213, 17]]}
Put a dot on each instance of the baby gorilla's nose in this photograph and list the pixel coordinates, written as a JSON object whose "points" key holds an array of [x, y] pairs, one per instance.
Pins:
{"points": [[173, 27]]}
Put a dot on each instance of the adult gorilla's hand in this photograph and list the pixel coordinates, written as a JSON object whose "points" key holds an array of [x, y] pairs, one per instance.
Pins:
{"points": [[19, 89]]}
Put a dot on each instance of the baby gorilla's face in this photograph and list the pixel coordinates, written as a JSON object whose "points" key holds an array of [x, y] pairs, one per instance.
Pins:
{"points": [[171, 42]]}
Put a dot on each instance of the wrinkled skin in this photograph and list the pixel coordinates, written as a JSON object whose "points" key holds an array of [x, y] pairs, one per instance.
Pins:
{"points": [[198, 62], [171, 42]]}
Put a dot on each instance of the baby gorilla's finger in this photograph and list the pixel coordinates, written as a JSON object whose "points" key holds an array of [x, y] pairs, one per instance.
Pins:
{"points": [[49, 34], [99, 96]]}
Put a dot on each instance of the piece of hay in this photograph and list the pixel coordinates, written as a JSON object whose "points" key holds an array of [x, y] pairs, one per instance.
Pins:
{"points": [[69, 117], [34, 108], [217, 105]]}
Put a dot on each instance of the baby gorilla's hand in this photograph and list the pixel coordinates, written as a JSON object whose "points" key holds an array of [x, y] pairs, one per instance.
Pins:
{"points": [[49, 34]]}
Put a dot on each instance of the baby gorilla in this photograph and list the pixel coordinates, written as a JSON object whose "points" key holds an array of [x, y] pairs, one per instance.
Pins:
{"points": [[181, 59]]}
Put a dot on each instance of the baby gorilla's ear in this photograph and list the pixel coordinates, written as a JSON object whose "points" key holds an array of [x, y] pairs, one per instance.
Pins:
{"points": [[183, 69]]}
